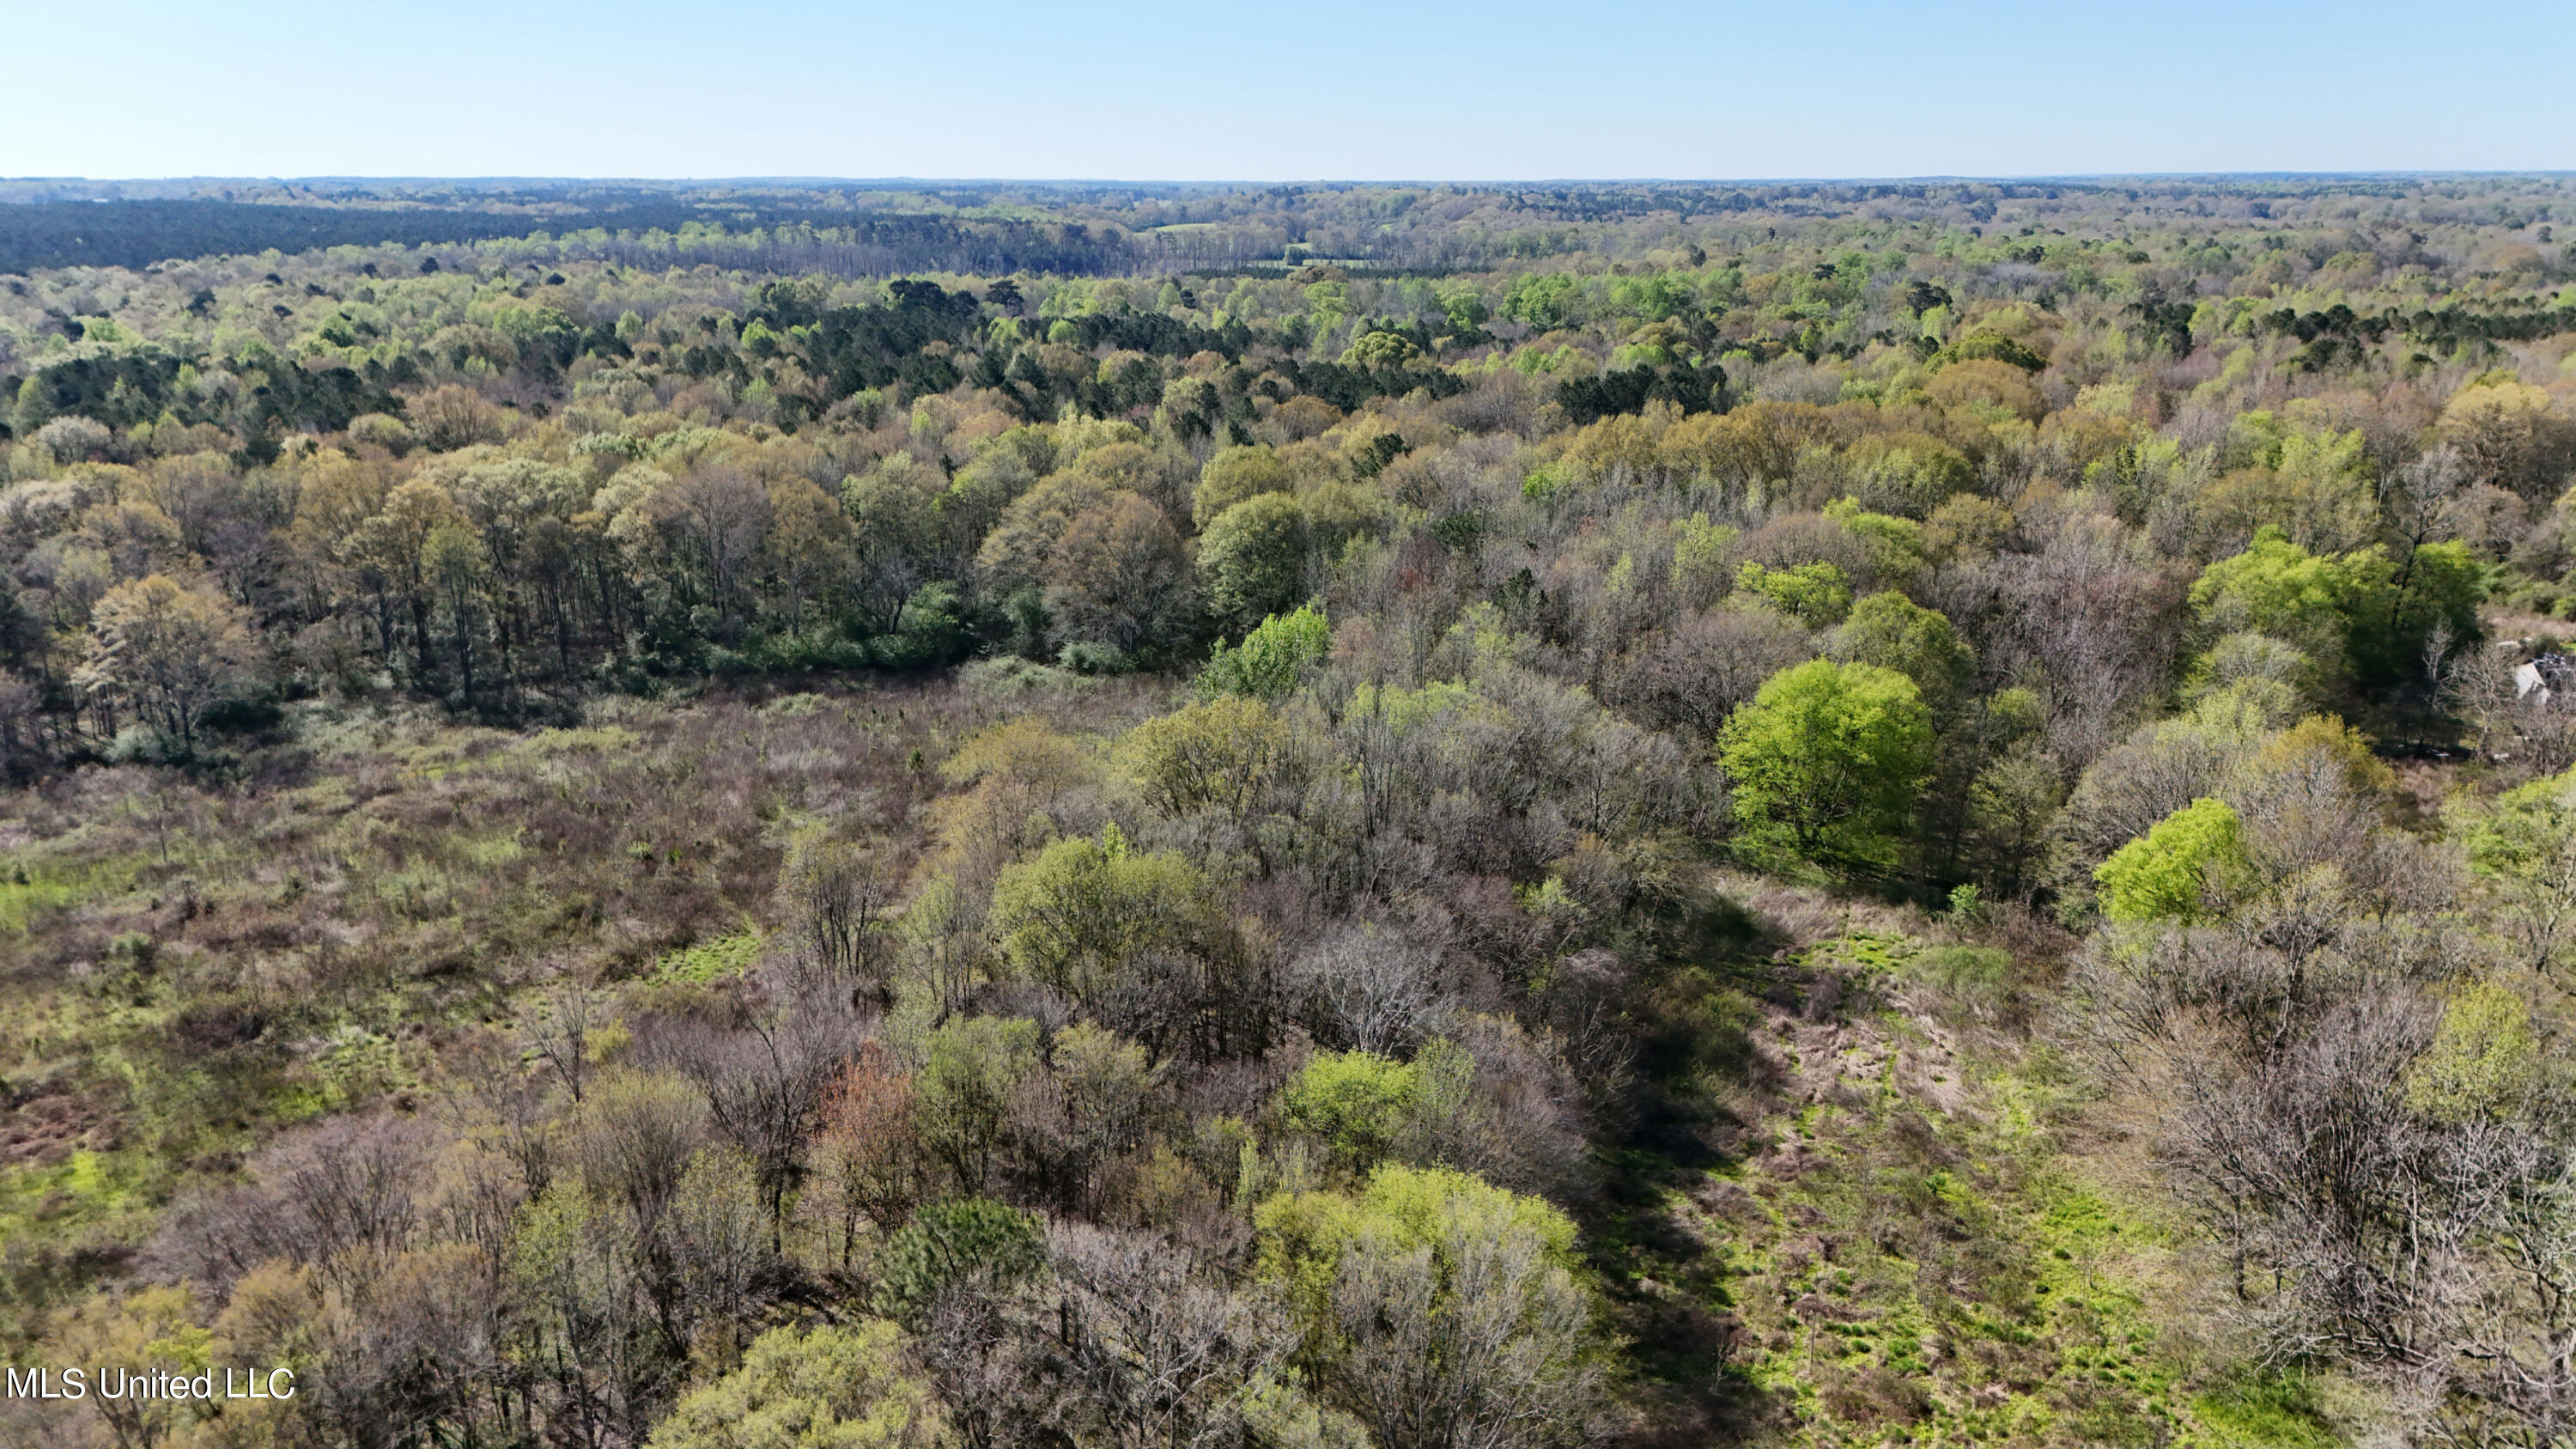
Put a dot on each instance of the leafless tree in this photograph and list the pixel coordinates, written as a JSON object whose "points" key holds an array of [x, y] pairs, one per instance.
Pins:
{"points": [[343, 1197], [1369, 986], [1481, 1343], [2089, 619], [2426, 1245], [1148, 1350], [561, 1034], [764, 1082], [1695, 673], [841, 898]]}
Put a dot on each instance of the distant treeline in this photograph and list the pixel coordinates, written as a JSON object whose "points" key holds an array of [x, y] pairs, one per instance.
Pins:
{"points": [[139, 233], [863, 229]]}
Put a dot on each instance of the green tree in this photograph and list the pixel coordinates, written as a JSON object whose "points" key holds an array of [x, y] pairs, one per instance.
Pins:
{"points": [[1438, 1310], [963, 1241], [832, 1388], [1815, 594], [1273, 659], [2483, 1061], [2377, 618], [1253, 558], [2277, 588], [2524, 846], [1076, 915], [1379, 349], [969, 1069], [1355, 1101], [2169, 871], [1234, 475], [1826, 759], [1893, 632], [1220, 753]]}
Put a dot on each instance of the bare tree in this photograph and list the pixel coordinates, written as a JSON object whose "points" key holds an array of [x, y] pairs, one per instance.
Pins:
{"points": [[1370, 986], [1695, 673], [561, 1035], [343, 1197], [1148, 1350], [1480, 1343], [841, 898]]}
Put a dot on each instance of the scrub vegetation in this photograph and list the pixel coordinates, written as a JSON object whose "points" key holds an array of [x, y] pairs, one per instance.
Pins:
{"points": [[1331, 818]]}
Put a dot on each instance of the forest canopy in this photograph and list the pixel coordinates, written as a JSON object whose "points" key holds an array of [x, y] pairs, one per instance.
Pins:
{"points": [[1354, 817]]}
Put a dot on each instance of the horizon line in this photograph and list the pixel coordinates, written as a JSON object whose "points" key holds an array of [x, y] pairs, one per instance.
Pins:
{"points": [[2064, 177]]}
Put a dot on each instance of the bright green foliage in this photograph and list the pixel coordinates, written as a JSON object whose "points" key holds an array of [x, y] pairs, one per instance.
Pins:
{"points": [[833, 1388], [1826, 760], [2277, 588], [1219, 753], [1910, 473], [1253, 558], [1893, 632], [2254, 667], [1380, 349], [1815, 594], [2528, 836], [1432, 1304], [1895, 544], [1464, 306], [1543, 300], [1304, 1235], [1699, 553], [1074, 916], [715, 960], [953, 1242], [2484, 1060], [2374, 616], [1407, 711], [1273, 659], [970, 1067], [2165, 872], [2265, 1412], [1355, 1101]]}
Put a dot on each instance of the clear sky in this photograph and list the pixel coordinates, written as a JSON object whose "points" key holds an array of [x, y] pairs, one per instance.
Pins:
{"points": [[1338, 89]]}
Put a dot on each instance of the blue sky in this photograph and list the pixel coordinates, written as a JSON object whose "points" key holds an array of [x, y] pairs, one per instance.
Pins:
{"points": [[1395, 90]]}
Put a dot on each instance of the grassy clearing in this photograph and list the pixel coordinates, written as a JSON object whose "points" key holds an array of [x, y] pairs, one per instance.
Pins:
{"points": [[1902, 1248], [187, 967]]}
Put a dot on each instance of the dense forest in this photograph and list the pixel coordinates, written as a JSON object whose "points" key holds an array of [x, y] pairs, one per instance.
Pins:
{"points": [[1342, 817]]}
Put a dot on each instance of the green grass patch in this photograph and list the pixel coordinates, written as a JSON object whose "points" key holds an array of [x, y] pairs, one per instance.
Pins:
{"points": [[717, 960], [30, 888], [2267, 1411]]}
